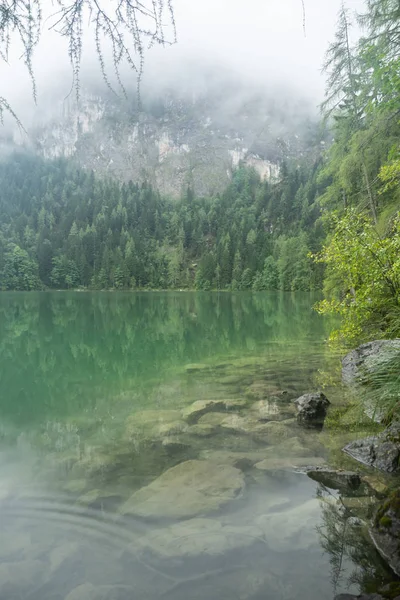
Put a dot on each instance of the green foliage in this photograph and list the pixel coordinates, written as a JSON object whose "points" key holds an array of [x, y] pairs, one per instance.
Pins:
{"points": [[381, 390], [268, 279], [390, 173], [361, 176], [19, 271], [80, 231], [366, 266], [64, 273]]}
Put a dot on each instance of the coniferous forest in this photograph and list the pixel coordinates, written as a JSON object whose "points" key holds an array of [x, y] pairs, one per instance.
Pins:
{"points": [[329, 223], [65, 228]]}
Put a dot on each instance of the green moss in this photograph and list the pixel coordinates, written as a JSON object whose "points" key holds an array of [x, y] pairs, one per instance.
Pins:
{"points": [[385, 521], [391, 591], [391, 505]]}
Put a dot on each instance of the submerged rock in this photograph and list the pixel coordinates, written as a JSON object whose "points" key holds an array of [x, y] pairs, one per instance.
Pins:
{"points": [[361, 361], [385, 531], [192, 413], [199, 537], [175, 445], [146, 422], [260, 390], [271, 432], [173, 428], [381, 451], [213, 418], [65, 557], [312, 408], [88, 591], [14, 544], [17, 578], [202, 430], [272, 410], [241, 460], [192, 488], [293, 447]]}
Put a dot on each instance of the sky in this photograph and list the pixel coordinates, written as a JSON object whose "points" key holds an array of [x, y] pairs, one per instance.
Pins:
{"points": [[260, 39], [264, 38]]}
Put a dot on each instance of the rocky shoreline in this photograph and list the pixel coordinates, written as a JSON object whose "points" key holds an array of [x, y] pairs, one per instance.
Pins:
{"points": [[382, 452]]}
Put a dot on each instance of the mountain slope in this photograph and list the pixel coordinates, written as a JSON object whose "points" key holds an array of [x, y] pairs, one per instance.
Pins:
{"points": [[179, 137]]}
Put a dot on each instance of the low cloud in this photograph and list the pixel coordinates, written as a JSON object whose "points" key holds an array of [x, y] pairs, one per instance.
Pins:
{"points": [[261, 42]]}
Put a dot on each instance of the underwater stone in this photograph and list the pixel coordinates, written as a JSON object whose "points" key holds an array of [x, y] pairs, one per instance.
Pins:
{"points": [[312, 408], [199, 537], [192, 413], [88, 591], [192, 488]]}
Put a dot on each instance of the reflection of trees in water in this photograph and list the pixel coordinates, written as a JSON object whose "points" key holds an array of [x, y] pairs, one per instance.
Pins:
{"points": [[58, 352], [344, 537]]}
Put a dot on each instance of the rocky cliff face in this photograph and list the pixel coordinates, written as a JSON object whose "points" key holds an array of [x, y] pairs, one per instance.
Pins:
{"points": [[176, 139]]}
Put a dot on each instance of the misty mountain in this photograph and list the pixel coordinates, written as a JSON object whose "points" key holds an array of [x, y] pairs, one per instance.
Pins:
{"points": [[177, 135]]}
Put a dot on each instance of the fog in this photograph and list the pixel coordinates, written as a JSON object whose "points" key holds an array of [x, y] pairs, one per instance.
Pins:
{"points": [[261, 41]]}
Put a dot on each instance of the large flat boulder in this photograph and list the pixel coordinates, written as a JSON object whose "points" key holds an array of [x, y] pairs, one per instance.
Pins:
{"points": [[380, 451], [367, 357], [192, 488]]}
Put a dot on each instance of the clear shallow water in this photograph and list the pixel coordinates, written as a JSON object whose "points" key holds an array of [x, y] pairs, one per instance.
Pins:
{"points": [[92, 389]]}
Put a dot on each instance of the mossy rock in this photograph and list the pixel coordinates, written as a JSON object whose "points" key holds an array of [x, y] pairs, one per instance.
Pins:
{"points": [[385, 530], [391, 591], [390, 506]]}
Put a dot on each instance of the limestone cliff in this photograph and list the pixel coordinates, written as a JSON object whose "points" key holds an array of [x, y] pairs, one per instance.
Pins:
{"points": [[175, 138]]}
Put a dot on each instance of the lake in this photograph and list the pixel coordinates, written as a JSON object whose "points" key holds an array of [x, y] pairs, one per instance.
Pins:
{"points": [[150, 449]]}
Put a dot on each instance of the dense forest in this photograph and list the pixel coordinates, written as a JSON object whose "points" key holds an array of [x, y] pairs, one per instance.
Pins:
{"points": [[332, 224], [62, 227]]}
